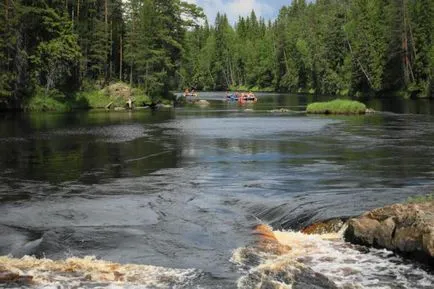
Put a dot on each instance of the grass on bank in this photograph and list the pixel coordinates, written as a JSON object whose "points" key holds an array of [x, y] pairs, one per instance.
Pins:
{"points": [[337, 106], [116, 93], [91, 97], [53, 101], [421, 199]]}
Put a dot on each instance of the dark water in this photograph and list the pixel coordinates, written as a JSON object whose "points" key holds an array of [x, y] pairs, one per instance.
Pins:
{"points": [[182, 188]]}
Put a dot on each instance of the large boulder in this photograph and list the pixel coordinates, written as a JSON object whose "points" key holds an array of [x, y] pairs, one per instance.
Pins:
{"points": [[202, 103], [405, 228]]}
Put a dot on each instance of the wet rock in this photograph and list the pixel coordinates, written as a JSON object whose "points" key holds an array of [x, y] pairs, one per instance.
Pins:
{"points": [[202, 102], [280, 110], [309, 279], [325, 227], [268, 242], [370, 110], [7, 276], [270, 265], [285, 274], [405, 228]]}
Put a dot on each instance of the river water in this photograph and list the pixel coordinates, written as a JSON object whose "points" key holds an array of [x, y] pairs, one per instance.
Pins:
{"points": [[168, 199]]}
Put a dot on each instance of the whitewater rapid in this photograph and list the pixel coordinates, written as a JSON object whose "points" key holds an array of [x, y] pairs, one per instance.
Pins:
{"points": [[310, 258]]}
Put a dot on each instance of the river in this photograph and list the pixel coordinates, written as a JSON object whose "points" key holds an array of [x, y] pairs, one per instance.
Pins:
{"points": [[172, 195]]}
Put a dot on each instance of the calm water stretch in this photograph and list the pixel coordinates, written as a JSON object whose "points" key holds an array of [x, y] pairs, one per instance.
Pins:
{"points": [[176, 192]]}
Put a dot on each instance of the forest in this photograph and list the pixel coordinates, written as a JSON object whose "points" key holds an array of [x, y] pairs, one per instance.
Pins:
{"points": [[64, 48]]}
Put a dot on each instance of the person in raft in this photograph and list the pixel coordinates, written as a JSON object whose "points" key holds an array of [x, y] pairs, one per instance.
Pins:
{"points": [[186, 92], [231, 96]]}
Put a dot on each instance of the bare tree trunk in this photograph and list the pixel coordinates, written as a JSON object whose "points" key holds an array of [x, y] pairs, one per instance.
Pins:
{"points": [[404, 41], [111, 50], [231, 72], [73, 15], [286, 60], [132, 47], [106, 35], [210, 74], [226, 78], [146, 77], [408, 72], [131, 74], [7, 11], [6, 33], [78, 10], [106, 14], [360, 64], [120, 57]]}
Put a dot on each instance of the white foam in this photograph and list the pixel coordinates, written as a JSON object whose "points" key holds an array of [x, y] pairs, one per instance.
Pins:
{"points": [[347, 265], [90, 272]]}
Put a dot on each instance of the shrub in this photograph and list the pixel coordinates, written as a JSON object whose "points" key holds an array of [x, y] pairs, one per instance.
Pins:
{"points": [[337, 106]]}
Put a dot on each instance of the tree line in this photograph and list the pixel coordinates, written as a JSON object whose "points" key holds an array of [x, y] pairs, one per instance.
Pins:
{"points": [[58, 47], [347, 47], [343, 47]]}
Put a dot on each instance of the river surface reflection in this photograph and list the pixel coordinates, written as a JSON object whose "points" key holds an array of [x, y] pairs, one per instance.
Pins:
{"points": [[182, 188]]}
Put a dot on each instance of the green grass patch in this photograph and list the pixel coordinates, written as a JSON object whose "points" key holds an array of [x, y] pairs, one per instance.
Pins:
{"points": [[101, 98], [92, 97], [53, 101], [337, 106], [421, 199], [116, 93]]}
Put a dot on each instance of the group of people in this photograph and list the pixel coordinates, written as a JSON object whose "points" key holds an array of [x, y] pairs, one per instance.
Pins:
{"points": [[188, 92], [241, 97]]}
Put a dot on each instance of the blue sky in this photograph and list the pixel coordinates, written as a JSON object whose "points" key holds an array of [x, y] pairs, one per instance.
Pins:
{"points": [[267, 9]]}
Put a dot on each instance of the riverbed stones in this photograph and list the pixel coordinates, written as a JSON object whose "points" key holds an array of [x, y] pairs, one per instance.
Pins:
{"points": [[324, 227], [202, 103], [285, 274], [7, 276], [268, 242], [280, 110], [406, 228]]}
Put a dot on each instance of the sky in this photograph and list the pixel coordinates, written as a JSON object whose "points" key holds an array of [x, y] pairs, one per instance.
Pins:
{"points": [[267, 9]]}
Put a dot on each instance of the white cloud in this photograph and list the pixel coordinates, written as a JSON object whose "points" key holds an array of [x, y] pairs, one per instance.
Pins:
{"points": [[233, 8], [244, 7]]}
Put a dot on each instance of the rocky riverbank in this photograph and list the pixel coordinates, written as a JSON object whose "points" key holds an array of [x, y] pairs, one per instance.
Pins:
{"points": [[407, 229], [404, 228]]}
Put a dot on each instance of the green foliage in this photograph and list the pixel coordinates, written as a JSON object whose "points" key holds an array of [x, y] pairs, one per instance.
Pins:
{"points": [[326, 47], [53, 101], [337, 106], [117, 94], [154, 42], [93, 98]]}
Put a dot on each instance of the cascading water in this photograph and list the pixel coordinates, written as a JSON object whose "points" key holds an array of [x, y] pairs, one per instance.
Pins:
{"points": [[325, 261]]}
